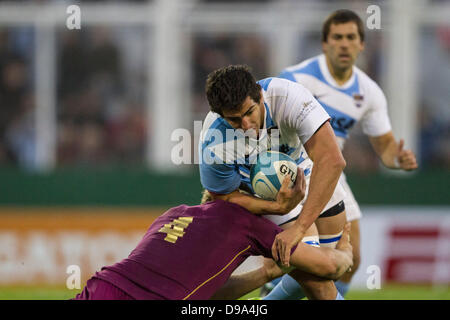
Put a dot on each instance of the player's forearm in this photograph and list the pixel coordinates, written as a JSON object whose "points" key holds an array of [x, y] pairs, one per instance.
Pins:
{"points": [[329, 163], [324, 178], [239, 285], [385, 147], [388, 155], [322, 262], [252, 204], [257, 206]]}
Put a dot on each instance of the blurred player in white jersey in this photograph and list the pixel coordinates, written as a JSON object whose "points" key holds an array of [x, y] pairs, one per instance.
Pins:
{"points": [[349, 96]]}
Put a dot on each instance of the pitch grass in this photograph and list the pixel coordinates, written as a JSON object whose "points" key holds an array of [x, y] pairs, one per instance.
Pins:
{"points": [[37, 293], [392, 292], [388, 292]]}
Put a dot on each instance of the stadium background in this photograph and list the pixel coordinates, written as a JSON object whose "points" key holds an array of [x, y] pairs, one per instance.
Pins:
{"points": [[86, 122]]}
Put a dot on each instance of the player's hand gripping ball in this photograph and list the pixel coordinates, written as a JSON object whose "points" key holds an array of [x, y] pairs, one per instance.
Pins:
{"points": [[269, 171]]}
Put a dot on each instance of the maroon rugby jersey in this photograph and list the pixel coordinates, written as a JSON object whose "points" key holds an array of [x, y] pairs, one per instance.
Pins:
{"points": [[190, 252]]}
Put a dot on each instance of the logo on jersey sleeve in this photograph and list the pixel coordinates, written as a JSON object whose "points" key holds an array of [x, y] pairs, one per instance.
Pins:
{"points": [[305, 104]]}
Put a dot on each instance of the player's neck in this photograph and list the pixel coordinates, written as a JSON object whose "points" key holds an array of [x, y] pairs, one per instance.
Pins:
{"points": [[341, 76]]}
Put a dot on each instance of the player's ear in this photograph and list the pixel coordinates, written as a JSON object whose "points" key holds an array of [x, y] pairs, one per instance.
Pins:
{"points": [[362, 46]]}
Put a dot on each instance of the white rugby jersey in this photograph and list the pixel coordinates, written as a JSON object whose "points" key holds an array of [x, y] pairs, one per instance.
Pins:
{"points": [[226, 158], [359, 99]]}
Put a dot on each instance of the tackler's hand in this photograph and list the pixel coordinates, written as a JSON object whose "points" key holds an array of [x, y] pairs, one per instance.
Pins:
{"points": [[283, 243]]}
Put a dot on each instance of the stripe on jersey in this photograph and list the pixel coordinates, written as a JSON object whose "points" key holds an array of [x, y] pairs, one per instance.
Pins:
{"points": [[300, 160], [218, 124], [341, 122], [313, 69], [287, 75], [211, 278], [264, 83]]}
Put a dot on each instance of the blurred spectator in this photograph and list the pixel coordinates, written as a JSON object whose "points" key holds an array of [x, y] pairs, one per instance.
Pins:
{"points": [[218, 50], [234, 1], [359, 154], [72, 69], [102, 89], [77, 1], [20, 136], [434, 117], [16, 101], [98, 123], [127, 134]]}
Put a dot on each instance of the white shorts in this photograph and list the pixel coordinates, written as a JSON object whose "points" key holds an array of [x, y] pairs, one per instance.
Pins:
{"points": [[352, 209], [338, 195]]}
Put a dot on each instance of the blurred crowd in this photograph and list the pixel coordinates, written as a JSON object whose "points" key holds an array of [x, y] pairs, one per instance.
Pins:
{"points": [[100, 103], [101, 98], [16, 98], [102, 91], [77, 1], [217, 50], [434, 116]]}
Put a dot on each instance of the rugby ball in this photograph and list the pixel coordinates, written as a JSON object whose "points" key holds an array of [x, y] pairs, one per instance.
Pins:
{"points": [[267, 174]]}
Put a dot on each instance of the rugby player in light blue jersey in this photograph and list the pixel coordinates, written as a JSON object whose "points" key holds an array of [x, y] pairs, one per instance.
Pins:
{"points": [[249, 117], [348, 95]]}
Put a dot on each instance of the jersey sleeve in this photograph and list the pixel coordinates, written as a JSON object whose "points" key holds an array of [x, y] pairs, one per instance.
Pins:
{"points": [[216, 174], [303, 112], [219, 178], [375, 121]]}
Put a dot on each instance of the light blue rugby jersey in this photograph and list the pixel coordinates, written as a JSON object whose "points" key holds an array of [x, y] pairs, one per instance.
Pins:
{"points": [[288, 107], [359, 99]]}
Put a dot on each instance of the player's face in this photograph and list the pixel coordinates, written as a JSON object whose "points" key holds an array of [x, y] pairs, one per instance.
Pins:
{"points": [[343, 45], [249, 117]]}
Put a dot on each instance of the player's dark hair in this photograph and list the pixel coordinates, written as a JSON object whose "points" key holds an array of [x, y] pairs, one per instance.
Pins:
{"points": [[342, 16], [228, 87]]}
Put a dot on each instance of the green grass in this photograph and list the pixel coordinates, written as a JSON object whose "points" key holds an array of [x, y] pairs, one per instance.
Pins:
{"points": [[402, 292], [388, 292], [392, 292], [37, 293]]}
